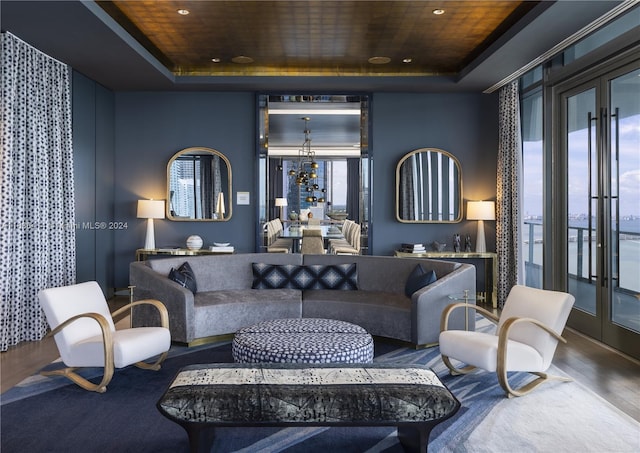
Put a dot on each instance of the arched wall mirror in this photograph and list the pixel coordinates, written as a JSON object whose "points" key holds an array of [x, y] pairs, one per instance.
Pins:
{"points": [[199, 186], [328, 133], [429, 187]]}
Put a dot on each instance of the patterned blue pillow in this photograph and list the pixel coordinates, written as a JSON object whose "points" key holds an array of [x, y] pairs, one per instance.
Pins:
{"points": [[185, 277], [316, 276], [273, 276], [333, 276], [418, 279]]}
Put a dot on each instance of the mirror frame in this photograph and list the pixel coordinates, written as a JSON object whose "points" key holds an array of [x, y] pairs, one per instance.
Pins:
{"points": [[458, 219], [228, 198]]}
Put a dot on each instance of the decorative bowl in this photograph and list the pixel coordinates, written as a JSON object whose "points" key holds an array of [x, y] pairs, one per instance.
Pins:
{"points": [[222, 244], [338, 216]]}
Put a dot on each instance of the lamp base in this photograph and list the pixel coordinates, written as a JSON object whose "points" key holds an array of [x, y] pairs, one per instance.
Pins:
{"points": [[150, 240], [481, 245]]}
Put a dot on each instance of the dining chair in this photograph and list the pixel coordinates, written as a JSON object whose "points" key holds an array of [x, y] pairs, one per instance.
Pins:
{"points": [[343, 241], [352, 245], [312, 242]]}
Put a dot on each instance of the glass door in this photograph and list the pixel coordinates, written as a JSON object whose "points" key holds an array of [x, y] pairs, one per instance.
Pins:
{"points": [[602, 148]]}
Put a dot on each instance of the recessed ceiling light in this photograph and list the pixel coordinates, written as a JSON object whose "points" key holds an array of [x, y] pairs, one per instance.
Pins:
{"points": [[379, 60], [438, 12], [216, 60], [407, 60], [242, 59], [183, 12]]}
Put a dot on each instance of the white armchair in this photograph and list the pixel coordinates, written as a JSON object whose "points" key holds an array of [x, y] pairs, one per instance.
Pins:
{"points": [[525, 339], [85, 334]]}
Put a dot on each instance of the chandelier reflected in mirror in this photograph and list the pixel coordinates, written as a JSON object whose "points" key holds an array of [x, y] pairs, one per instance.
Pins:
{"points": [[305, 169]]}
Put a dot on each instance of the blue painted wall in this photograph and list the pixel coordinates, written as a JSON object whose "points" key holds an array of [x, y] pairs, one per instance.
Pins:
{"points": [[466, 125], [149, 127], [94, 146]]}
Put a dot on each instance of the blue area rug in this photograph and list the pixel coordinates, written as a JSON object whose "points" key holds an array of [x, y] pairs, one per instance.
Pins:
{"points": [[49, 414]]}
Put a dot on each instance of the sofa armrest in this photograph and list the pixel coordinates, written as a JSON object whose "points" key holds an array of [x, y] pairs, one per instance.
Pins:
{"points": [[428, 303], [179, 301]]}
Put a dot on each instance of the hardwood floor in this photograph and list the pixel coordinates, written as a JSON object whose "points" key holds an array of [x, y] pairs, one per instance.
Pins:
{"points": [[613, 376], [610, 374]]}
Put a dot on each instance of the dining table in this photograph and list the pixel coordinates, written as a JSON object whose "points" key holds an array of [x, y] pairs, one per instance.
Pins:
{"points": [[295, 232]]}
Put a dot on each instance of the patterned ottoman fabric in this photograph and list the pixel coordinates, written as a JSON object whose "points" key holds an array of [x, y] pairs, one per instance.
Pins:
{"points": [[303, 340], [410, 397], [273, 392]]}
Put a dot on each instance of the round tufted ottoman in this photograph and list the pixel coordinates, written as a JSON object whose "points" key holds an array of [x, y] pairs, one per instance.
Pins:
{"points": [[303, 340]]}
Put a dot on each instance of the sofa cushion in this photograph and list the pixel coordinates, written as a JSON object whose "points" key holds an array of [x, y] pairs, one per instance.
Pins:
{"points": [[185, 277], [418, 279], [380, 313], [317, 276]]}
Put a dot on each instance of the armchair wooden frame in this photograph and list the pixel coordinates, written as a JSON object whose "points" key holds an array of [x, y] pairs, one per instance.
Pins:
{"points": [[503, 338], [107, 336]]}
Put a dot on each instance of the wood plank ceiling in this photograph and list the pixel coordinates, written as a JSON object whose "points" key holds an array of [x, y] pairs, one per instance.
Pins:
{"points": [[316, 37]]}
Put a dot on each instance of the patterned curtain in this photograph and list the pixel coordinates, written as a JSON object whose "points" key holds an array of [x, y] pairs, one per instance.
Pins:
{"points": [[37, 215], [509, 194], [210, 185]]}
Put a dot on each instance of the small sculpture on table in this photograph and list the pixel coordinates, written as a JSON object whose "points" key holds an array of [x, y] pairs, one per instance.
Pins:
{"points": [[436, 246], [467, 243], [456, 243]]}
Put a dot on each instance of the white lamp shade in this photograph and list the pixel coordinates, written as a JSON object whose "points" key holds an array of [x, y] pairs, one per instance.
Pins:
{"points": [[281, 202], [481, 210], [151, 209]]}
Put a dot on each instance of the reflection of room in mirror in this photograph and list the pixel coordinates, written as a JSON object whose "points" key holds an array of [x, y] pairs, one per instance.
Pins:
{"points": [[429, 187], [197, 181], [331, 140]]}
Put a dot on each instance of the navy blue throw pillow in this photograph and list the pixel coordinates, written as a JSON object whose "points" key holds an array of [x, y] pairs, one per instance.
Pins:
{"points": [[185, 277], [418, 279]]}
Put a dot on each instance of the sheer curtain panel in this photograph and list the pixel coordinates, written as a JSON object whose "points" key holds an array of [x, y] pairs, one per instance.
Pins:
{"points": [[37, 234]]}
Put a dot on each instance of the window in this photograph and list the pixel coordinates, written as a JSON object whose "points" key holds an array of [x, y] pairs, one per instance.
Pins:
{"points": [[332, 177], [533, 182]]}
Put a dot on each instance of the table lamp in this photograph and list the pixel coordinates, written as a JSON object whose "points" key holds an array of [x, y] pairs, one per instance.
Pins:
{"points": [[220, 209], [481, 211], [150, 209], [282, 202]]}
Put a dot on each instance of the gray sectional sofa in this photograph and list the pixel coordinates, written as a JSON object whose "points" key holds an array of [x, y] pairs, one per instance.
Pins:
{"points": [[225, 301]]}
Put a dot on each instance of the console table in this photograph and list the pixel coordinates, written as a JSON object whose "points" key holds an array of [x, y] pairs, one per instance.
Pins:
{"points": [[490, 272], [143, 254]]}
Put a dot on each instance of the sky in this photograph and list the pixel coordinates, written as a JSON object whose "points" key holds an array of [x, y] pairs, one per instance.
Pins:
{"points": [[629, 162]]}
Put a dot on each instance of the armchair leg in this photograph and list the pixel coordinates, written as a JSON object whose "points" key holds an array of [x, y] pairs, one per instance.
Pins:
{"points": [[82, 382], [457, 371], [153, 366], [542, 377]]}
